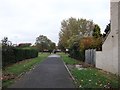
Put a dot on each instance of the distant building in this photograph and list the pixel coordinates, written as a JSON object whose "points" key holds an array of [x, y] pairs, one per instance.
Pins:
{"points": [[15, 45], [24, 44]]}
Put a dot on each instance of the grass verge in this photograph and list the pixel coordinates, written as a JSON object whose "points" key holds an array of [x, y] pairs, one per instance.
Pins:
{"points": [[90, 77], [68, 60], [93, 78], [15, 70]]}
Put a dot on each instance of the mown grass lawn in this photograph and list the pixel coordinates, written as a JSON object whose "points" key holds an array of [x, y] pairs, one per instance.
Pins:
{"points": [[68, 60], [13, 71], [93, 78], [90, 77]]}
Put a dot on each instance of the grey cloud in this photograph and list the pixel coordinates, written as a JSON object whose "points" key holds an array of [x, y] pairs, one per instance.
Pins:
{"points": [[24, 20]]}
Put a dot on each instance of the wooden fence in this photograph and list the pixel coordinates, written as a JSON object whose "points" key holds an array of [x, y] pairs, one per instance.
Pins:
{"points": [[90, 56]]}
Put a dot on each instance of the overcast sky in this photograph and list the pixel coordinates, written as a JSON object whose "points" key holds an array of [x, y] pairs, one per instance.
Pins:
{"points": [[24, 20]]}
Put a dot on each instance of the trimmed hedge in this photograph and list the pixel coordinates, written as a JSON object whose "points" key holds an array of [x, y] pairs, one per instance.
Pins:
{"points": [[12, 55], [76, 53], [8, 56], [79, 55]]}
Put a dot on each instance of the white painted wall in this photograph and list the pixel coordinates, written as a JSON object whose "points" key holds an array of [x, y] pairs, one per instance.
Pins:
{"points": [[107, 59]]}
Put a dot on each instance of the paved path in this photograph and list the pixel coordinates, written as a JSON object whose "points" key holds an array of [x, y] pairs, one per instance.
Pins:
{"points": [[49, 74]]}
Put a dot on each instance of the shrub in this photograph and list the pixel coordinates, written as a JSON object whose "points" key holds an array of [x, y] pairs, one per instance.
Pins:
{"points": [[12, 55], [76, 53], [8, 56]]}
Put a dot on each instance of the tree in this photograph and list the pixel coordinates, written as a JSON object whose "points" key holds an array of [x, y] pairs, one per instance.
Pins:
{"points": [[107, 29], [97, 43], [52, 46], [43, 43], [77, 35], [6, 42], [91, 43], [96, 31], [86, 43], [60, 46], [74, 27]]}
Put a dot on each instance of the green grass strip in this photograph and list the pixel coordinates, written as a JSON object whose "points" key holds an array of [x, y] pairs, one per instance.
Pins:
{"points": [[21, 67], [90, 77], [93, 78], [67, 59]]}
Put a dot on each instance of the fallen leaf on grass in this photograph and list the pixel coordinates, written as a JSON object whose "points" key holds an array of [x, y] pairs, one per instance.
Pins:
{"points": [[8, 76], [89, 80], [82, 80], [105, 86], [80, 86], [100, 84]]}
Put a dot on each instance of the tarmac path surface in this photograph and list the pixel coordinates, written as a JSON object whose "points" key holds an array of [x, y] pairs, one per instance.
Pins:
{"points": [[51, 73]]}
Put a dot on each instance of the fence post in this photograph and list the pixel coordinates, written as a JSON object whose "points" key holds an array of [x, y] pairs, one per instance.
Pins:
{"points": [[94, 56]]}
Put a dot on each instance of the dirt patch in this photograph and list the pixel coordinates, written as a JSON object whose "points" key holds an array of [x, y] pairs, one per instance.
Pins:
{"points": [[8, 76], [70, 66], [79, 66]]}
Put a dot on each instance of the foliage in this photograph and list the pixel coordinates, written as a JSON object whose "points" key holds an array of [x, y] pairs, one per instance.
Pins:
{"points": [[60, 46], [6, 42], [76, 54], [21, 54], [107, 29], [20, 67], [106, 32], [43, 43], [12, 55], [96, 31], [91, 43], [86, 43], [8, 56], [77, 35], [74, 27], [52, 46]]}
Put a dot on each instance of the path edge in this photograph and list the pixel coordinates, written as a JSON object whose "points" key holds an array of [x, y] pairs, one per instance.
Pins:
{"points": [[74, 80]]}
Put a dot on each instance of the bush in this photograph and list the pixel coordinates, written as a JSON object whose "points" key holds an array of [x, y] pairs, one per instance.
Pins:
{"points": [[8, 56], [76, 53], [21, 54], [79, 55], [12, 55]]}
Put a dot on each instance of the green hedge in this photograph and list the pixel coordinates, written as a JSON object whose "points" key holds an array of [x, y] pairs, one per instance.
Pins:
{"points": [[12, 55], [8, 56], [79, 55], [76, 53]]}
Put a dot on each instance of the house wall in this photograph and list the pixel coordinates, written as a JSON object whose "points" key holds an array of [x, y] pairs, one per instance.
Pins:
{"points": [[119, 42], [107, 59]]}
